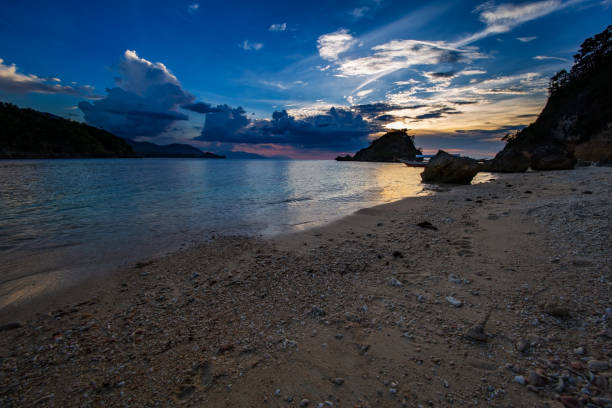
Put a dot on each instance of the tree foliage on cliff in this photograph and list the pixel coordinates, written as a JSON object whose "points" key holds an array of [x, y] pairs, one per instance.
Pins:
{"points": [[29, 133], [594, 56], [579, 106]]}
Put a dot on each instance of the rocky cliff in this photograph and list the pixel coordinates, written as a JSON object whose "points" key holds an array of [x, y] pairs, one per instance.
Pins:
{"points": [[576, 123], [390, 147], [26, 133]]}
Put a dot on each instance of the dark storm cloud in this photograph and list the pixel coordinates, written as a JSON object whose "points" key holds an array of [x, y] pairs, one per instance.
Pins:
{"points": [[144, 102], [334, 129], [438, 113], [199, 107], [486, 134], [376, 108]]}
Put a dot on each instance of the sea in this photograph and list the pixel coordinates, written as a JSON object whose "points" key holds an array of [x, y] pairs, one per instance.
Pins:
{"points": [[90, 215]]}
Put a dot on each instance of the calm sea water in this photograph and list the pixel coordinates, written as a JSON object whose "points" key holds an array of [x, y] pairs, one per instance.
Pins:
{"points": [[86, 215]]}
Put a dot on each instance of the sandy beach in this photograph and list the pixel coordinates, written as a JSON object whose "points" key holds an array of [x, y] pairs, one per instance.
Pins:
{"points": [[496, 294]]}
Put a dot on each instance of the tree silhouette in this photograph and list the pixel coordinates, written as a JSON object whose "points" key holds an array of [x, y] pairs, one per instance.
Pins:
{"points": [[594, 55]]}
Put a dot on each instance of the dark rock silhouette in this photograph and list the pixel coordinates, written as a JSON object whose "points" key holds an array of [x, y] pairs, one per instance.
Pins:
{"points": [[446, 168], [27, 133], [508, 161], [148, 149], [552, 157], [576, 122], [391, 147]]}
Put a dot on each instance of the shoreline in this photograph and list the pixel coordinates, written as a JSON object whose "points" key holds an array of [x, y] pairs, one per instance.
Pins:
{"points": [[355, 312]]}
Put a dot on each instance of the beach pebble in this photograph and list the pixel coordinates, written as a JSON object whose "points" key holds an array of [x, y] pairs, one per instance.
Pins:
{"points": [[304, 403], [454, 302], [519, 379], [338, 380], [537, 379], [522, 345], [597, 365], [579, 350], [317, 311], [454, 279], [569, 401], [476, 333], [395, 282], [277, 392]]}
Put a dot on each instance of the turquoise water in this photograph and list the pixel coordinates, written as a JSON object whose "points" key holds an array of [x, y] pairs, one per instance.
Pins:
{"points": [[58, 215]]}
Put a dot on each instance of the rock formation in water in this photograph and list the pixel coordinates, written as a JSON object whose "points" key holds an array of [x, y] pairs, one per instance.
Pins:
{"points": [[27, 133], [391, 147], [446, 168], [576, 123]]}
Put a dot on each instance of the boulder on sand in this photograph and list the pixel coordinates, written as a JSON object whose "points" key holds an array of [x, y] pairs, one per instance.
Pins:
{"points": [[551, 157], [509, 160], [446, 168]]}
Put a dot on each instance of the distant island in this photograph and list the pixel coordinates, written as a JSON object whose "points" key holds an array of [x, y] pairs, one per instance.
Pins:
{"points": [[148, 149], [29, 134], [391, 147]]}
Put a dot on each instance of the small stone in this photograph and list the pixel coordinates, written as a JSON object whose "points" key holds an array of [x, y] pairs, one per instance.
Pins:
{"points": [[338, 380], [454, 302], [476, 333], [569, 401], [339, 336], [597, 365], [226, 347], [577, 365], [454, 279], [277, 392], [393, 391], [522, 345], [556, 310], [536, 379], [579, 351], [395, 282], [10, 326], [427, 225], [317, 311], [519, 379], [604, 402], [304, 403], [560, 385]]}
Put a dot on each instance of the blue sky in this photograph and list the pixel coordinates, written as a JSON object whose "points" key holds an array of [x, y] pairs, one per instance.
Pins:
{"points": [[300, 79]]}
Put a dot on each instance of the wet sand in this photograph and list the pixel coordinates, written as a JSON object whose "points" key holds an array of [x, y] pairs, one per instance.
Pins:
{"points": [[508, 283]]}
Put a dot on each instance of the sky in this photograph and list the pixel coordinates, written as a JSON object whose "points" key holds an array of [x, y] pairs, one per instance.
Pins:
{"points": [[307, 80]]}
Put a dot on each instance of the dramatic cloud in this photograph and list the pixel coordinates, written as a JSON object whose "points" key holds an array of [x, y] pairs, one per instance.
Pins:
{"points": [[505, 17], [200, 107], [278, 27], [526, 39], [15, 82], [144, 101], [403, 54], [545, 57], [331, 45], [248, 46], [336, 129]]}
